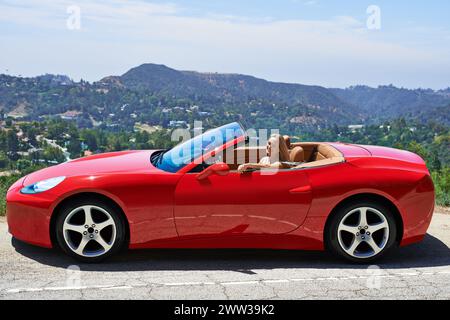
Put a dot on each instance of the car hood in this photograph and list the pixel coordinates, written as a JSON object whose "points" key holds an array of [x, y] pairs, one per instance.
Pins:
{"points": [[115, 162]]}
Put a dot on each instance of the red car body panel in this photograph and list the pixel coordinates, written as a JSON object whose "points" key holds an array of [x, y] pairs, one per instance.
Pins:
{"points": [[255, 203], [286, 210]]}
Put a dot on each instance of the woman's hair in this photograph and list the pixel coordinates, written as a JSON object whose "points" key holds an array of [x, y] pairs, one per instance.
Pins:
{"points": [[279, 148]]}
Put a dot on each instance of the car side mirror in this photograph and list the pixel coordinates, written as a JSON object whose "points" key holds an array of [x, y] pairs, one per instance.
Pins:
{"points": [[220, 168]]}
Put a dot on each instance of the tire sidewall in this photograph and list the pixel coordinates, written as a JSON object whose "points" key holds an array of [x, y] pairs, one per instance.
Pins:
{"points": [[332, 242], [118, 220]]}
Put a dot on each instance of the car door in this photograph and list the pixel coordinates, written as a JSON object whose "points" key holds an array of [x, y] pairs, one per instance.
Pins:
{"points": [[249, 203]]}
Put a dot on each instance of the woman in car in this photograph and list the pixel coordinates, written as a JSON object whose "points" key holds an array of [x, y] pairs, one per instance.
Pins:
{"points": [[277, 156]]}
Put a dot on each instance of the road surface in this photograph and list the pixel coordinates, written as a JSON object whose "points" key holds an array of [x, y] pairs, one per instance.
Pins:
{"points": [[421, 271]]}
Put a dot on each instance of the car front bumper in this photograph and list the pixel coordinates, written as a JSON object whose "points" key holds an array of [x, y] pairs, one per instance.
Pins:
{"points": [[28, 217]]}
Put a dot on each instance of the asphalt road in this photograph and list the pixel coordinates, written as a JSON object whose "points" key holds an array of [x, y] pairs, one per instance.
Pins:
{"points": [[421, 271]]}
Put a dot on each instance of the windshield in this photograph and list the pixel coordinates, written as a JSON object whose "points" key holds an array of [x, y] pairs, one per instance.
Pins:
{"points": [[185, 153]]}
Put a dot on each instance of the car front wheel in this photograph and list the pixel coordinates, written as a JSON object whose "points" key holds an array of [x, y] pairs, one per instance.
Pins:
{"points": [[362, 232], [90, 230]]}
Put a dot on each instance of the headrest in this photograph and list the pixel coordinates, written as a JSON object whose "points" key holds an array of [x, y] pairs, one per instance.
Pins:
{"points": [[328, 151], [297, 154]]}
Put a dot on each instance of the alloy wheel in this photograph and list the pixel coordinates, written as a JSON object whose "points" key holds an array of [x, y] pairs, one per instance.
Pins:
{"points": [[363, 232], [89, 231]]}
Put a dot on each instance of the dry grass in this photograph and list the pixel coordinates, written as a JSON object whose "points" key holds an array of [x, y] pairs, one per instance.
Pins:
{"points": [[444, 210]]}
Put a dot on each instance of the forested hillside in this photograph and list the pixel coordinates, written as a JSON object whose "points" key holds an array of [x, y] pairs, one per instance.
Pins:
{"points": [[158, 95], [388, 102]]}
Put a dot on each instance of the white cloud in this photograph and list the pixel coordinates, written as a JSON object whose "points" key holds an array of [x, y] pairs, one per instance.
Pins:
{"points": [[310, 3], [47, 13], [306, 3], [117, 35]]}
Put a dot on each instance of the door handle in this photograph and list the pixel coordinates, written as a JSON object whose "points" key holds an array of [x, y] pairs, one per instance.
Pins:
{"points": [[303, 189]]}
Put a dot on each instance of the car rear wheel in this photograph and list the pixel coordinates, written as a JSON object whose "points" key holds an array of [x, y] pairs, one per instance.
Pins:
{"points": [[90, 230], [362, 232]]}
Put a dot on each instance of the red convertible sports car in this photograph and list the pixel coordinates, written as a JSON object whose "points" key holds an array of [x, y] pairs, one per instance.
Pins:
{"points": [[356, 201]]}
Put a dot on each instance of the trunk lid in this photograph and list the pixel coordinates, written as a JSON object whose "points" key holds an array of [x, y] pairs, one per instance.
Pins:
{"points": [[361, 151], [391, 153]]}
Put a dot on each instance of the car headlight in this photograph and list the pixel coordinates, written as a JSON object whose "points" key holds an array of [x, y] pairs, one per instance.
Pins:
{"points": [[42, 186]]}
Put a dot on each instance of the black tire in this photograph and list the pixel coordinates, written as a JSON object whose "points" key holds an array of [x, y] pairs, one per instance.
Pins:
{"points": [[120, 229], [331, 233]]}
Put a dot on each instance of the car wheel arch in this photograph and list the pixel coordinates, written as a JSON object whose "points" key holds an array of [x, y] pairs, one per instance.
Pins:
{"points": [[368, 197], [83, 196]]}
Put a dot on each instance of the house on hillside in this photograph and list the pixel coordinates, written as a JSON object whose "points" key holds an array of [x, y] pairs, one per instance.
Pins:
{"points": [[69, 115], [177, 124], [355, 127]]}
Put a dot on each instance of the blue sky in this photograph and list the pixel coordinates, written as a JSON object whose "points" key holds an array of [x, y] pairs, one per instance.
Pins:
{"points": [[317, 42]]}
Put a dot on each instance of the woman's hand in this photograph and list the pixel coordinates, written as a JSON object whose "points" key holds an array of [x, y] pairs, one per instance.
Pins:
{"points": [[243, 168]]}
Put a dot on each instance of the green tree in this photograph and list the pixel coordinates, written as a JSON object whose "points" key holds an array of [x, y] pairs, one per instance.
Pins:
{"points": [[12, 143], [53, 155]]}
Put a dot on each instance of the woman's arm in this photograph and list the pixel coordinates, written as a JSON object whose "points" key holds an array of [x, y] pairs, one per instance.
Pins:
{"points": [[277, 165]]}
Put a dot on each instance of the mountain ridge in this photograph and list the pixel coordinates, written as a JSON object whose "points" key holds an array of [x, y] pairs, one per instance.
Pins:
{"points": [[157, 94]]}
